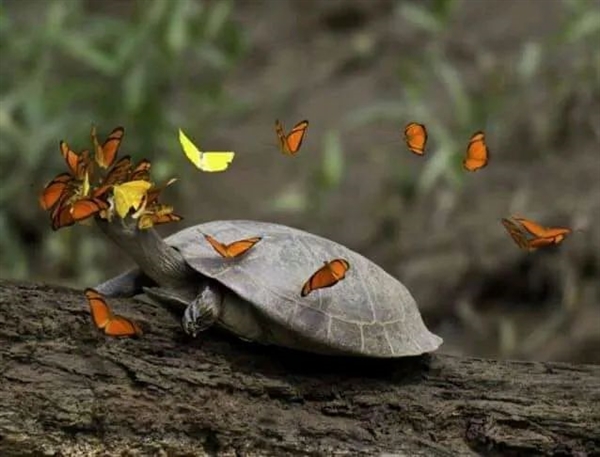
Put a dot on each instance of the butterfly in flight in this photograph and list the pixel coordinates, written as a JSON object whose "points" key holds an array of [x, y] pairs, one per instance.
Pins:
{"points": [[209, 161], [290, 143], [477, 154], [106, 153], [415, 136]]}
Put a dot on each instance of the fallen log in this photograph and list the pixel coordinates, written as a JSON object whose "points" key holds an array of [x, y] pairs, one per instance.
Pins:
{"points": [[65, 389]]}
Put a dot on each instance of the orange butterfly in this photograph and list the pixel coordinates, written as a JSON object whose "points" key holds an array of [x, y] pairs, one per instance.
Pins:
{"points": [[159, 214], [154, 192], [416, 137], [117, 174], [326, 276], [54, 190], [79, 210], [106, 153], [477, 153], [78, 164], [517, 234], [290, 143], [151, 212], [86, 207], [104, 319], [555, 234], [61, 217], [141, 172], [541, 242], [232, 250]]}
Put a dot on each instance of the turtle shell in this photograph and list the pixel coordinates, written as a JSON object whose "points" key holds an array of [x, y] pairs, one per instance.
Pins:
{"points": [[368, 313]]}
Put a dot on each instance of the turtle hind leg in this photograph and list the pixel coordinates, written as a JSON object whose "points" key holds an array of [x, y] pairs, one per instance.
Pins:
{"points": [[126, 284], [203, 311]]}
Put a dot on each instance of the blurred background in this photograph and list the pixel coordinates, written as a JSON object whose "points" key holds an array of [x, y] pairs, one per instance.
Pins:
{"points": [[525, 72]]}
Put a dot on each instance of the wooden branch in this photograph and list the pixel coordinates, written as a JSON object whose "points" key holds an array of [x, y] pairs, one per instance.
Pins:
{"points": [[67, 390]]}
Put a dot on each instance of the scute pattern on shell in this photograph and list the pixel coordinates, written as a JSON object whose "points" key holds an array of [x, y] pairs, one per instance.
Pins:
{"points": [[368, 313]]}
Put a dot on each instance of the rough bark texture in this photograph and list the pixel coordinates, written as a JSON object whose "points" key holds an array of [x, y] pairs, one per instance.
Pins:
{"points": [[67, 390]]}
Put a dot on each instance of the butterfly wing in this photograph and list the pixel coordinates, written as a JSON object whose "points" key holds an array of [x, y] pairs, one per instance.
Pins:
{"points": [[339, 267], [61, 216], [99, 309], [104, 319], [129, 195], [141, 171], [119, 172], [217, 246], [537, 243], [294, 139], [280, 136], [190, 150], [215, 161], [477, 155], [416, 137], [107, 152], [326, 276], [54, 190], [148, 220], [539, 231], [516, 233], [86, 207], [211, 161], [70, 156], [237, 248], [120, 326]]}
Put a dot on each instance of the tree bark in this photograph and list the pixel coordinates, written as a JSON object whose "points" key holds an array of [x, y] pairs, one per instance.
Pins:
{"points": [[65, 389]]}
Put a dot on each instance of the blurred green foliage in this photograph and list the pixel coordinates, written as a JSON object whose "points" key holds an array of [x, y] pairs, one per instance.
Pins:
{"points": [[504, 88], [500, 102], [156, 65], [68, 63]]}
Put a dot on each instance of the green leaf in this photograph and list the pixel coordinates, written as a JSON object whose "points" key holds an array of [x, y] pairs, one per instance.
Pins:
{"points": [[585, 26], [421, 17], [216, 18], [291, 200], [332, 167], [456, 89], [531, 58]]}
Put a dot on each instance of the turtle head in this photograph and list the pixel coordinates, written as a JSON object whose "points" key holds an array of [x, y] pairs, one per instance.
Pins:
{"points": [[164, 264]]}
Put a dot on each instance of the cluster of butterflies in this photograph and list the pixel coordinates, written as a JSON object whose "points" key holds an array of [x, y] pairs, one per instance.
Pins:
{"points": [[120, 187], [79, 194], [527, 234], [116, 325]]}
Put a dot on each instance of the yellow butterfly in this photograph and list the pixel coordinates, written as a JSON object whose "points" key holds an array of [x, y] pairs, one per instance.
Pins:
{"points": [[129, 195], [210, 161]]}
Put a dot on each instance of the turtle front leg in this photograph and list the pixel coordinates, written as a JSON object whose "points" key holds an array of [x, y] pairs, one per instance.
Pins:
{"points": [[203, 311], [199, 312], [126, 284]]}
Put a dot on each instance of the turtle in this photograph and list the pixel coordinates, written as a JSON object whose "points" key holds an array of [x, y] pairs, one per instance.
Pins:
{"points": [[257, 296]]}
